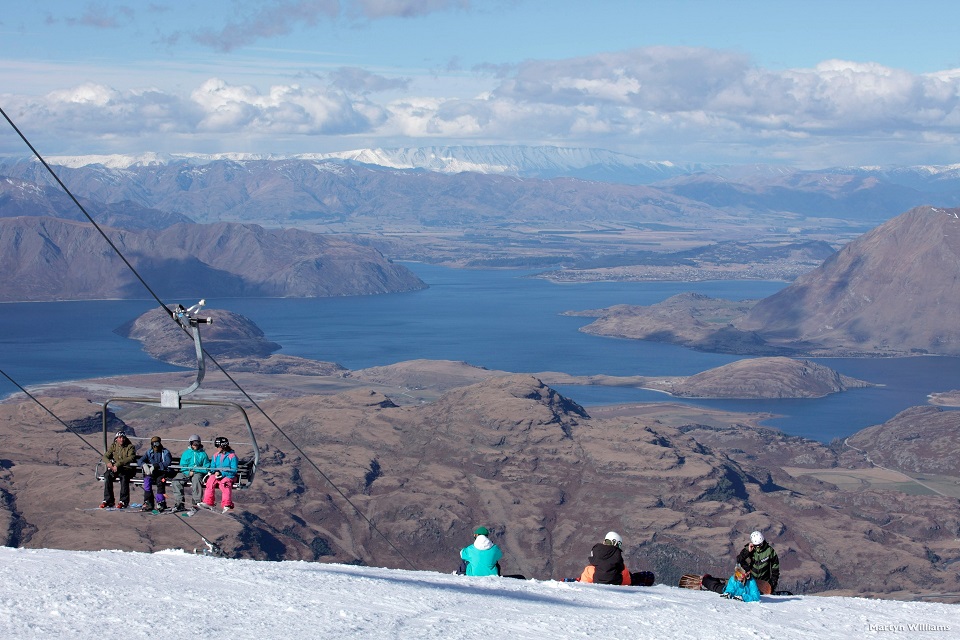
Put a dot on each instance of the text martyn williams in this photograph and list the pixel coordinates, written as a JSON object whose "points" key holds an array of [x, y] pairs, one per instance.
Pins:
{"points": [[908, 627]]}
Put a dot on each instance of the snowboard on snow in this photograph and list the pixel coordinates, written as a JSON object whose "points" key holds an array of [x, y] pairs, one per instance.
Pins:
{"points": [[642, 578], [691, 581]]}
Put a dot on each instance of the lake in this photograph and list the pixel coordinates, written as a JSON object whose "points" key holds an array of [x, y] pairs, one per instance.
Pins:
{"points": [[494, 319]]}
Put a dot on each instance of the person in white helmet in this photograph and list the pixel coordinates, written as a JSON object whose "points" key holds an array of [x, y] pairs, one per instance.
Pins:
{"points": [[760, 559], [606, 562]]}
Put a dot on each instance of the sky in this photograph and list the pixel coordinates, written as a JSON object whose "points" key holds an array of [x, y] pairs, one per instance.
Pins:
{"points": [[84, 595], [812, 84]]}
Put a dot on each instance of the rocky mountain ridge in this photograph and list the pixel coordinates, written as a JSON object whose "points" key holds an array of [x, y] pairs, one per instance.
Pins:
{"points": [[468, 183], [53, 259], [543, 474], [893, 290]]}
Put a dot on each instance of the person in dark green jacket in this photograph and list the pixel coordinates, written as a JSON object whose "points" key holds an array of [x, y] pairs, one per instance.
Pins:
{"points": [[760, 559], [116, 460]]}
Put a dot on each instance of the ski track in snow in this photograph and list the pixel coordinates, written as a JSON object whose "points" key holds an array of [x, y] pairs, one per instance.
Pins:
{"points": [[105, 594]]}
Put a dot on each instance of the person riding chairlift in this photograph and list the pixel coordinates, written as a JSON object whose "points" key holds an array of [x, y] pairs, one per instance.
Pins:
{"points": [[223, 473]]}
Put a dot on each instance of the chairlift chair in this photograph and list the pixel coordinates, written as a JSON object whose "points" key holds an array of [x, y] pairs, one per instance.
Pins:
{"points": [[173, 399]]}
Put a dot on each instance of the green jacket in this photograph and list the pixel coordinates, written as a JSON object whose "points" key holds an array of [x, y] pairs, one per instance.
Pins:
{"points": [[762, 563], [120, 454]]}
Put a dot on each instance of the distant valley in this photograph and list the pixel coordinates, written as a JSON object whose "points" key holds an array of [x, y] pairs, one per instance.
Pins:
{"points": [[516, 207]]}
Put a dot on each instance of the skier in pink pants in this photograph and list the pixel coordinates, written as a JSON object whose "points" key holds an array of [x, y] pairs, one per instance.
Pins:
{"points": [[223, 472]]}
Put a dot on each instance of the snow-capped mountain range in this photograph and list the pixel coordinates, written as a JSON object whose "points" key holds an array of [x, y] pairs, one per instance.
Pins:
{"points": [[488, 185], [518, 160], [521, 161]]}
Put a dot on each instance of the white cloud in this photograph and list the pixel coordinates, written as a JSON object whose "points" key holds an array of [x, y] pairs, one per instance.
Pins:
{"points": [[284, 109], [683, 103]]}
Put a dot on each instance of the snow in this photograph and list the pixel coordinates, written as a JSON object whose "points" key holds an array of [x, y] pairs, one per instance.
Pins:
{"points": [[103, 594]]}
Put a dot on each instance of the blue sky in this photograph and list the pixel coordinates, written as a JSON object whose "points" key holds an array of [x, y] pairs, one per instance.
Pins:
{"points": [[811, 84]]}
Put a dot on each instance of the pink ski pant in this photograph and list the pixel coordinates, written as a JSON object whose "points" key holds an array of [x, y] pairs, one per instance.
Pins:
{"points": [[226, 491]]}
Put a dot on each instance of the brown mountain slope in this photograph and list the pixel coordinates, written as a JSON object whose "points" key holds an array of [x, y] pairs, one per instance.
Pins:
{"points": [[53, 259], [508, 453], [22, 198], [918, 440], [894, 290]]}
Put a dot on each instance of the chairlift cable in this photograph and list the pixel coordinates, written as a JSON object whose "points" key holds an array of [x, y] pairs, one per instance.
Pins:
{"points": [[311, 462], [209, 544], [212, 359], [55, 417], [84, 211]]}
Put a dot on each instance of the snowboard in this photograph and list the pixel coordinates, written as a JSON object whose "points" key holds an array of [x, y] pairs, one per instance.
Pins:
{"points": [[705, 582], [642, 578], [765, 588], [134, 508], [202, 506], [690, 581]]}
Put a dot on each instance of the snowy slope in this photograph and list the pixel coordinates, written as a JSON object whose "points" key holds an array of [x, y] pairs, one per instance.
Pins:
{"points": [[106, 594]]}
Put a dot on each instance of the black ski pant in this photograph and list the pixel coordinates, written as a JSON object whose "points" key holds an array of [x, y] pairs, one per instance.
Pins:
{"points": [[124, 475]]}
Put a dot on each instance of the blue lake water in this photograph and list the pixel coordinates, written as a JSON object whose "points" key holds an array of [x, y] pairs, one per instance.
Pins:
{"points": [[495, 319]]}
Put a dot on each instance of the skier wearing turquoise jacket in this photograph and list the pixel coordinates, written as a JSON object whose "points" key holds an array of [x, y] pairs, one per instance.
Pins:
{"points": [[742, 586], [193, 467], [482, 557]]}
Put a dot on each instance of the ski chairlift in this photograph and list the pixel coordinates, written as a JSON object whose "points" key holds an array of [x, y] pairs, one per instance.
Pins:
{"points": [[173, 399]]}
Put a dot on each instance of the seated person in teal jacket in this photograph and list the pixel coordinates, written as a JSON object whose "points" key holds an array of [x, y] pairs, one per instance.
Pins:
{"points": [[482, 557], [742, 586]]}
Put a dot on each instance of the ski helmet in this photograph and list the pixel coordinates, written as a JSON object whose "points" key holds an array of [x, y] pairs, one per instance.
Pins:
{"points": [[220, 441], [194, 438], [154, 440], [614, 539], [756, 538]]}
